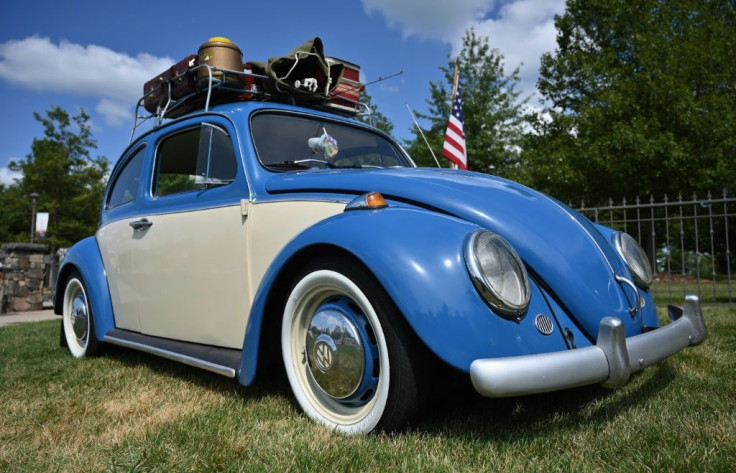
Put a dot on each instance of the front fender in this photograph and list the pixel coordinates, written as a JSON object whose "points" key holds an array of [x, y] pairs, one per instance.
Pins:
{"points": [[418, 258], [85, 257]]}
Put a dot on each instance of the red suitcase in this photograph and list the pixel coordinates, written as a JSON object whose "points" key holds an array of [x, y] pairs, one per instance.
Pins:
{"points": [[179, 79], [348, 89]]}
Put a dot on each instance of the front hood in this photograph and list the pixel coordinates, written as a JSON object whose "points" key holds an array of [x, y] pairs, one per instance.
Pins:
{"points": [[568, 255]]}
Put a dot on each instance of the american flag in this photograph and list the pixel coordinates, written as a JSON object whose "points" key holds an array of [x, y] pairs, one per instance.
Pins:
{"points": [[454, 147]]}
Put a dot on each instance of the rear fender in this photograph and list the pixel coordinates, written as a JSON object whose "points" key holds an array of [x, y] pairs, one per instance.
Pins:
{"points": [[85, 257]]}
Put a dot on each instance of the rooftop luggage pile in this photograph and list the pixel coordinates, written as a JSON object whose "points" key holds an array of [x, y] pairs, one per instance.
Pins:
{"points": [[217, 74]]}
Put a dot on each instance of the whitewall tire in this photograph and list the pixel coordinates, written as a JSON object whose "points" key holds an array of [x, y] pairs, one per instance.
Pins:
{"points": [[346, 364], [77, 320]]}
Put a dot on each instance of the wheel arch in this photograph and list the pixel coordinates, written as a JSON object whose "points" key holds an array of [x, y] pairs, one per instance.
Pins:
{"points": [[265, 331], [85, 258]]}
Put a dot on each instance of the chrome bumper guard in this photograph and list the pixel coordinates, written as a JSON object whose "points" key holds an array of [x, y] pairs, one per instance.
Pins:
{"points": [[610, 361]]}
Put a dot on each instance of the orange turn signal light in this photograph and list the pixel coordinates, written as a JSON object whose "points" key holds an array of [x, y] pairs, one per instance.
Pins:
{"points": [[368, 201], [375, 200]]}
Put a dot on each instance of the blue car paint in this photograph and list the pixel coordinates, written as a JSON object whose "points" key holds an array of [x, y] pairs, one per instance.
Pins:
{"points": [[572, 257], [85, 257], [427, 280]]}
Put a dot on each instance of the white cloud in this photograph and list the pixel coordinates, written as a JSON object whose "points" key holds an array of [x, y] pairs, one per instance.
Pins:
{"points": [[116, 112], [115, 78], [7, 176], [522, 30], [430, 19]]}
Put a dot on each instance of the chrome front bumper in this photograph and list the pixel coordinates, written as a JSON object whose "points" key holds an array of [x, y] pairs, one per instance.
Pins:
{"points": [[610, 361]]}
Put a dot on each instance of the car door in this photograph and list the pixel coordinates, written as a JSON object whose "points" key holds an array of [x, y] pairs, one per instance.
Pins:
{"points": [[189, 257], [116, 238]]}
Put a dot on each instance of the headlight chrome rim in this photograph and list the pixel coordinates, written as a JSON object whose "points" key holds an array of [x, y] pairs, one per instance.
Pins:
{"points": [[636, 259], [503, 306]]}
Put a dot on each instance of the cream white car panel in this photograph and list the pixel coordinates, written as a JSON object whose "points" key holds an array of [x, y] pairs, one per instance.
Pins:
{"points": [[116, 246], [191, 275], [274, 224]]}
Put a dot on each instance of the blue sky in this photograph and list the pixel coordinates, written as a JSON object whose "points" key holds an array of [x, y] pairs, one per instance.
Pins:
{"points": [[97, 55]]}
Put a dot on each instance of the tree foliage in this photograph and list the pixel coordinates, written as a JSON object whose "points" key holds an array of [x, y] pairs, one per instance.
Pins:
{"points": [[376, 118], [493, 113], [70, 183], [643, 96]]}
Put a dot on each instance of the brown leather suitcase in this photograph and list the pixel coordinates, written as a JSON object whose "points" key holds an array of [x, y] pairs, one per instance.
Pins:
{"points": [[178, 80]]}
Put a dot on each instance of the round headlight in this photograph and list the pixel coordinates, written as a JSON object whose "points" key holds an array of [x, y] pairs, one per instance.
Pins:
{"points": [[636, 259], [498, 273]]}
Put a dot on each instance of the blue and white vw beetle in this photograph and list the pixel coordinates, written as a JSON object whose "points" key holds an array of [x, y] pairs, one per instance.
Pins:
{"points": [[256, 231]]}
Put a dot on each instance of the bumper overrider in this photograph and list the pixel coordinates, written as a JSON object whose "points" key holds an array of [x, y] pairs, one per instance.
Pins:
{"points": [[610, 361]]}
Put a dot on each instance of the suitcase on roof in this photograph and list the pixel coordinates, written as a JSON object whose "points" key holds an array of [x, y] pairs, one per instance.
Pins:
{"points": [[347, 92], [178, 81]]}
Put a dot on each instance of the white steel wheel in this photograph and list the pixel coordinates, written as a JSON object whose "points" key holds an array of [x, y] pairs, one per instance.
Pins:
{"points": [[77, 323], [346, 364]]}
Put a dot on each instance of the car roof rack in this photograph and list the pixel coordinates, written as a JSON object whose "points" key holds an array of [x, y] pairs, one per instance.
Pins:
{"points": [[219, 90]]}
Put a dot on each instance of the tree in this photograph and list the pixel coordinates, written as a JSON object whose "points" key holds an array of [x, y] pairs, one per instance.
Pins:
{"points": [[376, 118], [643, 100], [70, 183], [493, 113], [15, 214]]}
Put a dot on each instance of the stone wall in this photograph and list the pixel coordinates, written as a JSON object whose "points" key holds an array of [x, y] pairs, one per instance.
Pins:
{"points": [[21, 276]]}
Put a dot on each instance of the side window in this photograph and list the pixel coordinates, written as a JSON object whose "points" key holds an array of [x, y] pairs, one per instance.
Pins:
{"points": [[194, 159], [125, 187]]}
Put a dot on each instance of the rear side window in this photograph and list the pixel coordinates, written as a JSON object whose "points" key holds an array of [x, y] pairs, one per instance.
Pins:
{"points": [[125, 187], [194, 159]]}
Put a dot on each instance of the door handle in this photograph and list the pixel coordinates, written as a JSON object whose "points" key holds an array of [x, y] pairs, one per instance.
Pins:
{"points": [[141, 224]]}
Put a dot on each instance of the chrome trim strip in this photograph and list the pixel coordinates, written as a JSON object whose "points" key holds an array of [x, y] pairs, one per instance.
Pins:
{"points": [[187, 360], [610, 362], [638, 304]]}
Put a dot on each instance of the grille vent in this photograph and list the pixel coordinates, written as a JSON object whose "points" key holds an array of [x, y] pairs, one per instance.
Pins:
{"points": [[544, 324]]}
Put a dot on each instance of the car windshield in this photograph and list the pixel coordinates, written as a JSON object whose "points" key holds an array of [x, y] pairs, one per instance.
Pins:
{"points": [[287, 142]]}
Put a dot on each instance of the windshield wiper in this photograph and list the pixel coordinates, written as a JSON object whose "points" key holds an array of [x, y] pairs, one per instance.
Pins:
{"points": [[314, 160], [288, 165]]}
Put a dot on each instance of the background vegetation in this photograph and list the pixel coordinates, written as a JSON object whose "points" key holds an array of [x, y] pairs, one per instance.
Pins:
{"points": [[128, 411], [68, 180], [639, 98]]}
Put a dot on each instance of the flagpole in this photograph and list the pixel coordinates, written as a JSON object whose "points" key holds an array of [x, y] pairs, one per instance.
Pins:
{"points": [[422, 133], [454, 80], [455, 77]]}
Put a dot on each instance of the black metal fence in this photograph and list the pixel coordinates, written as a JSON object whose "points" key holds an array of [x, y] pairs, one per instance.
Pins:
{"points": [[689, 242]]}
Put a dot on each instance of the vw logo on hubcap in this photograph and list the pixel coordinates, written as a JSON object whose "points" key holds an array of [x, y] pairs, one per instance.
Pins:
{"points": [[323, 355]]}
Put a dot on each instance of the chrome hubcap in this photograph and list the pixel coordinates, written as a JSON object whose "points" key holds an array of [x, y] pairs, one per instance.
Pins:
{"points": [[79, 318], [340, 354]]}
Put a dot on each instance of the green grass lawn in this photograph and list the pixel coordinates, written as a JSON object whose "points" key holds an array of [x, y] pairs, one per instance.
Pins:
{"points": [[673, 291], [128, 411]]}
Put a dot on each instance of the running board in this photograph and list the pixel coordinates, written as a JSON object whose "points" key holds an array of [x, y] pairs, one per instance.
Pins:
{"points": [[223, 361]]}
